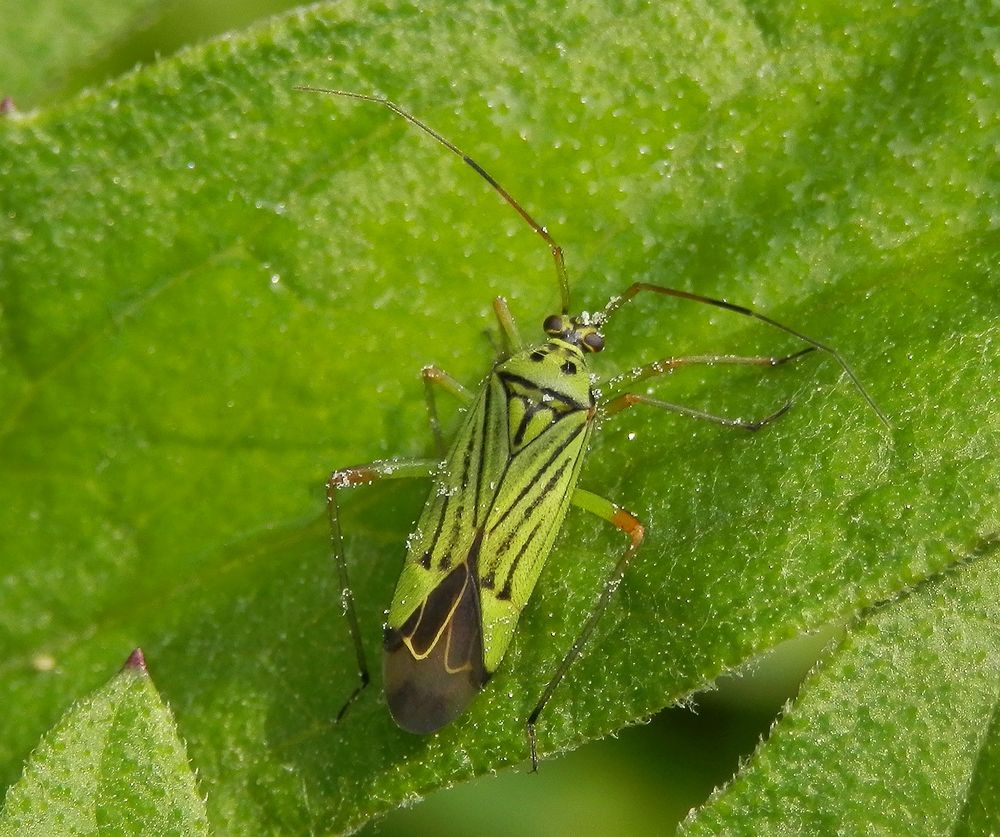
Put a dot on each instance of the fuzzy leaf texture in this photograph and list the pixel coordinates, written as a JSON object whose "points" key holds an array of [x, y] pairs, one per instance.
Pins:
{"points": [[896, 733], [216, 289], [43, 46], [113, 764]]}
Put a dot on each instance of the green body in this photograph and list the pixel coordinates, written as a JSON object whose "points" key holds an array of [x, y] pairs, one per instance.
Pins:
{"points": [[493, 513]]}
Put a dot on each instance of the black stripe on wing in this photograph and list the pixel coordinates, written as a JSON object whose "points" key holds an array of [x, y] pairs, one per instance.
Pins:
{"points": [[529, 513], [544, 471]]}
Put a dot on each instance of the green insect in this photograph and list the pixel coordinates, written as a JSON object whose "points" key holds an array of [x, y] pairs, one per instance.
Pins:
{"points": [[502, 491]]}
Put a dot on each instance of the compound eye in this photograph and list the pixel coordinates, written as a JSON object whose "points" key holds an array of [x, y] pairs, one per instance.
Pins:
{"points": [[593, 341], [553, 325]]}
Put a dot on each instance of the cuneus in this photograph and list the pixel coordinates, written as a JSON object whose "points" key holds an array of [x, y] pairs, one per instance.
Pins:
{"points": [[501, 489]]}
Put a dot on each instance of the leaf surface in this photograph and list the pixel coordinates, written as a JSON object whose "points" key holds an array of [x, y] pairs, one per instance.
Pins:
{"points": [[215, 290]]}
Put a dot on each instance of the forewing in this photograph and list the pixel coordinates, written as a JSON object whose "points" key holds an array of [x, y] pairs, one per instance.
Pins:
{"points": [[530, 505]]}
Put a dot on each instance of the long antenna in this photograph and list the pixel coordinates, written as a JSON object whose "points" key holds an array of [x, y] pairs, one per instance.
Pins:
{"points": [[555, 249]]}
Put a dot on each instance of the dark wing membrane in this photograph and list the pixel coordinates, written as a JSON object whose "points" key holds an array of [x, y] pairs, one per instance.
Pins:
{"points": [[433, 663]]}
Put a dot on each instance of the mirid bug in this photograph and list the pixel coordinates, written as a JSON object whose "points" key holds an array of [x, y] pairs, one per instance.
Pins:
{"points": [[502, 490]]}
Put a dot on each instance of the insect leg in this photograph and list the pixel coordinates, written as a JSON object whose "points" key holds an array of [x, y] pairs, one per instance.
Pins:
{"points": [[629, 525], [348, 478], [508, 328], [432, 376], [667, 365], [617, 403], [630, 399], [638, 287]]}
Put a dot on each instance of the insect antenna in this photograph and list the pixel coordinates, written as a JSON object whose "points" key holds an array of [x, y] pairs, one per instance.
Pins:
{"points": [[638, 287], [554, 248]]}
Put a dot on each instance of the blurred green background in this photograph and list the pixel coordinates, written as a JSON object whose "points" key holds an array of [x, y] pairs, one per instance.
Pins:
{"points": [[643, 781]]}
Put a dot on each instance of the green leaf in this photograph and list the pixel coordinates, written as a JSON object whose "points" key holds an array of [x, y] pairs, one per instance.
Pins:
{"points": [[54, 48], [46, 41], [215, 290], [113, 764], [907, 702]]}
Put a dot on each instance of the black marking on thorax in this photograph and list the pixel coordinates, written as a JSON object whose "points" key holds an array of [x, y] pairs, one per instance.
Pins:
{"points": [[533, 409]]}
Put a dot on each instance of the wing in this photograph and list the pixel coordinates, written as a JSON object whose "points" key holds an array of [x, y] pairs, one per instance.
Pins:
{"points": [[548, 432], [433, 663]]}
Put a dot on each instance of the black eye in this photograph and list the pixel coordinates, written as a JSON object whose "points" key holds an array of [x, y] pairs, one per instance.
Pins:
{"points": [[593, 341], [553, 324], [538, 355], [568, 368]]}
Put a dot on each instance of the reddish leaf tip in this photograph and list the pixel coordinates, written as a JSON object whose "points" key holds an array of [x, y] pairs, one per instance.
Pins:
{"points": [[136, 662]]}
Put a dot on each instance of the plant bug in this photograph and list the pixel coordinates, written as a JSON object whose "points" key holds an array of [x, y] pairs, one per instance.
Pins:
{"points": [[502, 489]]}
